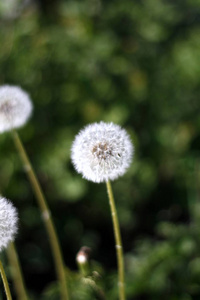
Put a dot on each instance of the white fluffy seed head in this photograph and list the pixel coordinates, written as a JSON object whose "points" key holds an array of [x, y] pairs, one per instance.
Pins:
{"points": [[8, 222], [102, 152], [15, 107]]}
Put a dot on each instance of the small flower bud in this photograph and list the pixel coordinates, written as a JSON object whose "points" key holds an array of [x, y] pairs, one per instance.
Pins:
{"points": [[82, 259], [83, 254]]}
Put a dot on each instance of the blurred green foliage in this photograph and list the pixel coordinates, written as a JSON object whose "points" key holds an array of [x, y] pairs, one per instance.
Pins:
{"points": [[135, 63]]}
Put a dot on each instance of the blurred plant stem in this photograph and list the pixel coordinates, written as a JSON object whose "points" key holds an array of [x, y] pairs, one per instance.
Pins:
{"points": [[16, 272], [84, 269], [5, 282], [46, 215], [118, 242]]}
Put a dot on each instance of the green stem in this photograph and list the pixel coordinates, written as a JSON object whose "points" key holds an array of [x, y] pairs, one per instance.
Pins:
{"points": [[5, 282], [84, 269], [16, 272], [118, 241], [46, 215]]}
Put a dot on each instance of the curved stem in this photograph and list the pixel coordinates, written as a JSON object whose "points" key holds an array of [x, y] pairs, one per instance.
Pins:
{"points": [[16, 272], [46, 215], [118, 241], [5, 282]]}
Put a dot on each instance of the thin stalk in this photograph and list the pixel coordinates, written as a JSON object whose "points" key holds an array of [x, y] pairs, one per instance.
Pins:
{"points": [[5, 282], [84, 269], [118, 242], [16, 272], [46, 215]]}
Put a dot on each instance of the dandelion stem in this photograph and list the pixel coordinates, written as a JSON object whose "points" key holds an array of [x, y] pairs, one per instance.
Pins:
{"points": [[5, 282], [16, 272], [118, 241], [46, 215]]}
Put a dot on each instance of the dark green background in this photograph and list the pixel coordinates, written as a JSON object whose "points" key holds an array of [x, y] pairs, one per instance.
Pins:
{"points": [[137, 64]]}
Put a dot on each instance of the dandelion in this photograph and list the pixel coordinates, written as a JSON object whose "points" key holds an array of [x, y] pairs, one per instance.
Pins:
{"points": [[102, 152], [15, 110], [8, 230], [8, 222], [15, 107]]}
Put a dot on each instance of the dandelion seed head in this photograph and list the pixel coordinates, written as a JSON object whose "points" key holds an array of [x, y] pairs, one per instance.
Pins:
{"points": [[8, 222], [15, 107], [102, 152]]}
